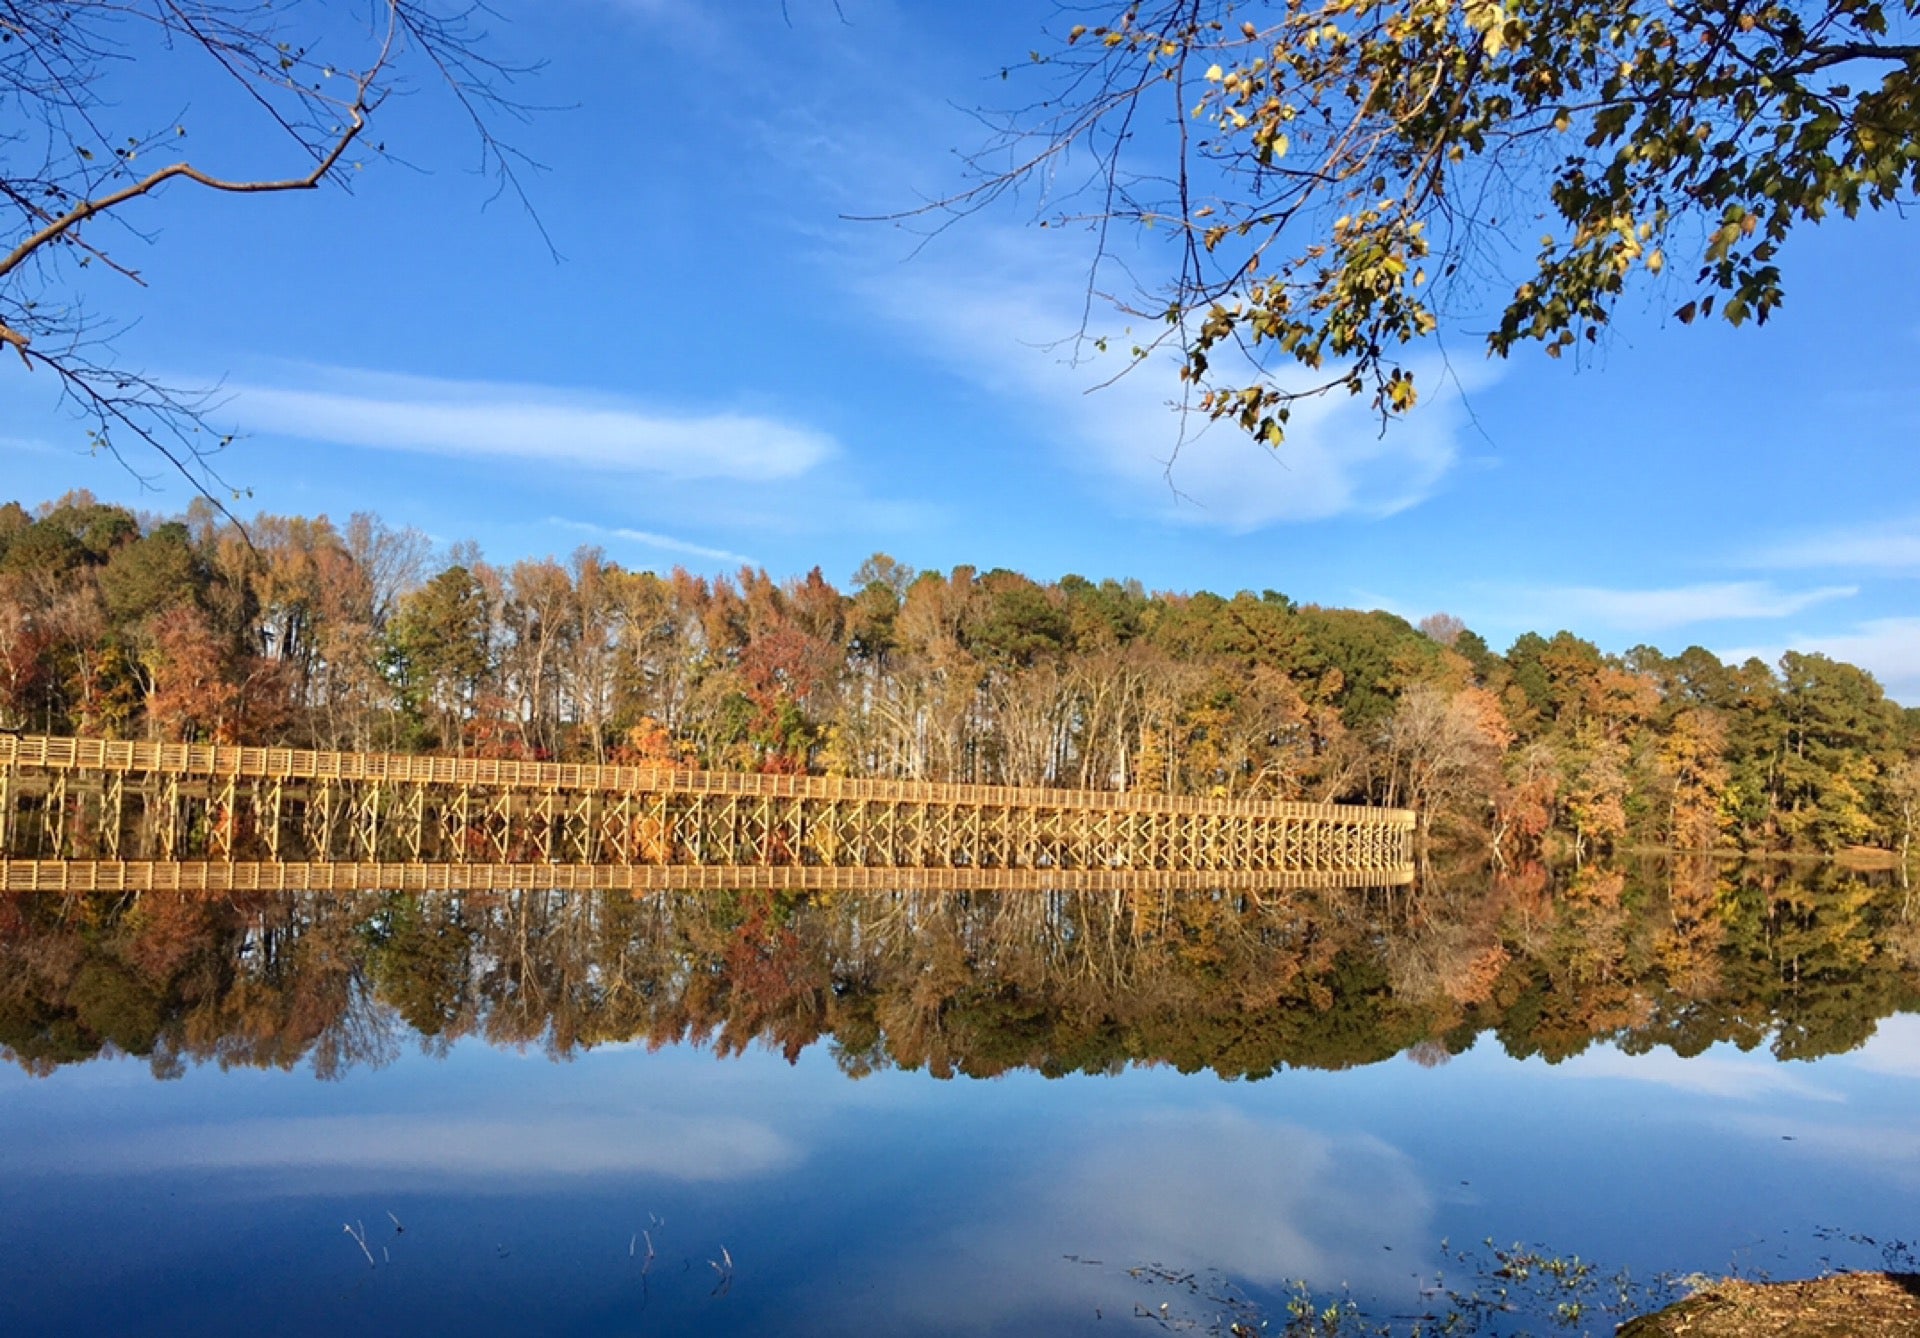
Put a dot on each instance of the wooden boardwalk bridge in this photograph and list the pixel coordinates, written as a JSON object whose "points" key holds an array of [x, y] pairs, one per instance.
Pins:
{"points": [[104, 815]]}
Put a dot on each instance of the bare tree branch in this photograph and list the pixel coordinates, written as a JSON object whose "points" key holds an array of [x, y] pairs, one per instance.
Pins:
{"points": [[65, 173]]}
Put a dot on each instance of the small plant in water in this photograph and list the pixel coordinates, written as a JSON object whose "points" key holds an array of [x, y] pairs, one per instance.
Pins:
{"points": [[1501, 1292], [1896, 1256], [1306, 1315]]}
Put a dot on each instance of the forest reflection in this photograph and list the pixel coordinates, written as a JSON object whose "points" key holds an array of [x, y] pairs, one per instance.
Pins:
{"points": [[1803, 961]]}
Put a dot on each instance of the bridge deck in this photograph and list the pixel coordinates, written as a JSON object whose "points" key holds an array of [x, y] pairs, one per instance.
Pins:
{"points": [[223, 761], [67, 802], [204, 876]]}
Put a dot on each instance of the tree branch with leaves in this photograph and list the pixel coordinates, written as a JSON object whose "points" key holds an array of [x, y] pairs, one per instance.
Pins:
{"points": [[1343, 180]]}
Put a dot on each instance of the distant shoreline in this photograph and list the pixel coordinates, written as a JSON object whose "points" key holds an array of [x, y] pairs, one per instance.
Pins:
{"points": [[1862, 858]]}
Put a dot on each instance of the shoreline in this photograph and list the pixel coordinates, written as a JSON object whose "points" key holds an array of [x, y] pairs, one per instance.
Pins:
{"points": [[1842, 1305]]}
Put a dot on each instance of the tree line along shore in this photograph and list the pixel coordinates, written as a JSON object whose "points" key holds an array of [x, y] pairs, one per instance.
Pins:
{"points": [[358, 636]]}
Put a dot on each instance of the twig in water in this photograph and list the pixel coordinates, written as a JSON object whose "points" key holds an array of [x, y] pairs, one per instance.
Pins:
{"points": [[360, 1239]]}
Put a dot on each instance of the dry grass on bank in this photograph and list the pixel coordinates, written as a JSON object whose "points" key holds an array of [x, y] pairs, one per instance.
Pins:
{"points": [[1846, 1305]]}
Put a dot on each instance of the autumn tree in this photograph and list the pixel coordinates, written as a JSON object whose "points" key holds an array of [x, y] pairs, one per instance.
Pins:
{"points": [[661, 647], [592, 642], [539, 625], [64, 666], [1902, 788], [308, 614], [1692, 763], [1442, 752], [1327, 180], [192, 695]]}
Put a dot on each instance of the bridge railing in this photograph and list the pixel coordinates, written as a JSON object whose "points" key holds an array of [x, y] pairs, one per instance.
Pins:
{"points": [[72, 800], [59, 753]]}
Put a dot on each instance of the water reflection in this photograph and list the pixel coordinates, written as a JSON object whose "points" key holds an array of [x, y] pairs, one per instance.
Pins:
{"points": [[1671, 958], [391, 1148], [1624, 1100], [1262, 1201]]}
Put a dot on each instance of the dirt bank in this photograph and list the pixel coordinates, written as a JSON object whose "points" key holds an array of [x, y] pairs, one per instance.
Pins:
{"points": [[1846, 1305]]}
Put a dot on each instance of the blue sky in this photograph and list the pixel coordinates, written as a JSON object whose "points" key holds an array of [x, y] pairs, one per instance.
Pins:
{"points": [[722, 368]]}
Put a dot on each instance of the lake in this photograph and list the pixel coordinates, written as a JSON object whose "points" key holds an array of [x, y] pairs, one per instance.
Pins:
{"points": [[981, 1113]]}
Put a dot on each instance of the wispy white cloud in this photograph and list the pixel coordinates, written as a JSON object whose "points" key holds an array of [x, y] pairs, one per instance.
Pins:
{"points": [[1887, 648], [1655, 610], [1004, 310], [33, 446], [686, 23], [666, 542], [1891, 547], [1335, 461], [527, 424], [1000, 303]]}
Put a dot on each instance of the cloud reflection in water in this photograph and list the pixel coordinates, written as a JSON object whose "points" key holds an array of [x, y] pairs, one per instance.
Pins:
{"points": [[1262, 1201], [386, 1147]]}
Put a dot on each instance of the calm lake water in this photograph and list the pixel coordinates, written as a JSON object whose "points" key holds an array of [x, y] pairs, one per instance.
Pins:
{"points": [[1024, 1113]]}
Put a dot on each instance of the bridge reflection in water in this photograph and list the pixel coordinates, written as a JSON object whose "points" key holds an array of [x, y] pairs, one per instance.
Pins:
{"points": [[102, 815]]}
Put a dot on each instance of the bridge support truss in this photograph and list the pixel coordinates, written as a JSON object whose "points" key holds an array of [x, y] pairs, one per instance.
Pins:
{"points": [[72, 801]]}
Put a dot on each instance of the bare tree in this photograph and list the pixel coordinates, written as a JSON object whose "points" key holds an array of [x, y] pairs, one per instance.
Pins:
{"points": [[76, 144]]}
